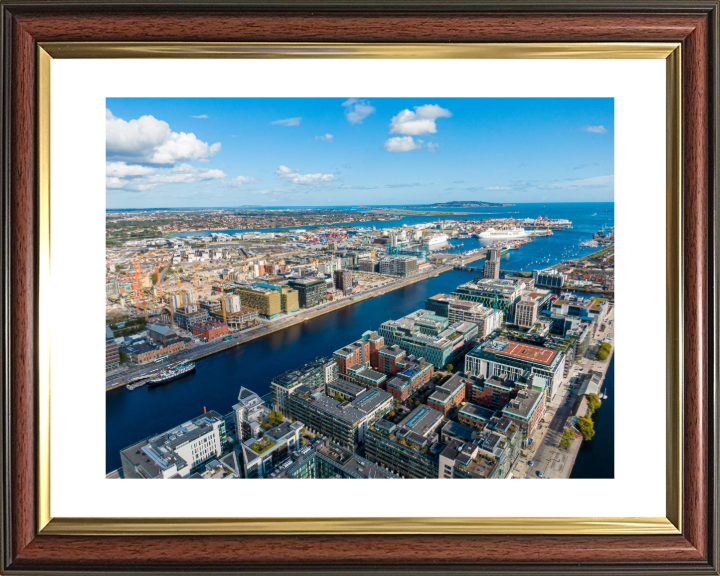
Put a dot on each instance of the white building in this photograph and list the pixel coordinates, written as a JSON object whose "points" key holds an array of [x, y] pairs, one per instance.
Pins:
{"points": [[177, 452]]}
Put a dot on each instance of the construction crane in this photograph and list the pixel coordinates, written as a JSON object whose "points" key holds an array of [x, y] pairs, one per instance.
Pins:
{"points": [[222, 299], [197, 289], [138, 289]]}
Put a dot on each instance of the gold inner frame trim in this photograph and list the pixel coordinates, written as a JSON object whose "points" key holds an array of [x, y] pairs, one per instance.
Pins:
{"points": [[538, 525]]}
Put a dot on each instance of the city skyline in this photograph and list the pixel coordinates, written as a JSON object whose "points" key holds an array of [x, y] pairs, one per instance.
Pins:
{"points": [[324, 152]]}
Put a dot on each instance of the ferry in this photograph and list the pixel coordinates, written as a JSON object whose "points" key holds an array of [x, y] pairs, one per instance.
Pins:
{"points": [[503, 233], [435, 241], [172, 374]]}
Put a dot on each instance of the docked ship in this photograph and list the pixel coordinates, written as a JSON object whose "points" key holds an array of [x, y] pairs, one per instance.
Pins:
{"points": [[171, 374], [497, 233], [435, 241]]}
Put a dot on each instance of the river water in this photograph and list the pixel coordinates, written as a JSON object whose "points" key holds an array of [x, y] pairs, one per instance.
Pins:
{"points": [[134, 415], [596, 458]]}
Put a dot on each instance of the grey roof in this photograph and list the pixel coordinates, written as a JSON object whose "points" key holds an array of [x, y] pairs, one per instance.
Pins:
{"points": [[523, 404], [422, 420], [355, 411]]}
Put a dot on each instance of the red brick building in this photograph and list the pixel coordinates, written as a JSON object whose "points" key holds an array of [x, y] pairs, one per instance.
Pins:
{"points": [[210, 330], [448, 395], [355, 354], [388, 358]]}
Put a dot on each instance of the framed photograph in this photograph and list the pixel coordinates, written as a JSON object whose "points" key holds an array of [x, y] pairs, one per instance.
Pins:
{"points": [[368, 264]]}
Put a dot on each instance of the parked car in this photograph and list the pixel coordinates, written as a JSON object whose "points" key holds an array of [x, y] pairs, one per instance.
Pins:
{"points": [[540, 473]]}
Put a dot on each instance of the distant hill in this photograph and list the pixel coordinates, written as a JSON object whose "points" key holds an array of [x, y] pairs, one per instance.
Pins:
{"points": [[465, 204]]}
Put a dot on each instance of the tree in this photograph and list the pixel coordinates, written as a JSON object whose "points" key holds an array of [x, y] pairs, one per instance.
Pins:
{"points": [[586, 427], [391, 415], [154, 278], [594, 402], [123, 355], [567, 438], [449, 367]]}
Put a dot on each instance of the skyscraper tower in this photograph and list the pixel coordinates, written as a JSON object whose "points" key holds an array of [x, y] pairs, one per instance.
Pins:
{"points": [[492, 264]]}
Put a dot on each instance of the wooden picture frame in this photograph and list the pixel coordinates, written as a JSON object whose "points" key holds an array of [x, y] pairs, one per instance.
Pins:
{"points": [[33, 544]]}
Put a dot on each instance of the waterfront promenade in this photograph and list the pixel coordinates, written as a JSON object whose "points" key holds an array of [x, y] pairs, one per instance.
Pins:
{"points": [[203, 350], [548, 458]]}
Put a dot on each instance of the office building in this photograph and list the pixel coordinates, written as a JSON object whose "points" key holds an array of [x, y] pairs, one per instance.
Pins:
{"points": [[447, 395], [497, 294], [526, 410], [399, 266], [492, 392], [313, 375], [266, 301], [490, 454], [409, 449], [184, 319], [369, 265], [514, 360], [427, 335], [263, 454], [330, 460], [492, 264], [414, 374], [456, 310], [344, 422], [112, 352], [311, 291], [553, 278], [178, 452]]}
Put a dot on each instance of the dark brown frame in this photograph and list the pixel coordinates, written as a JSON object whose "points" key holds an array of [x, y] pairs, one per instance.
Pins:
{"points": [[693, 23]]}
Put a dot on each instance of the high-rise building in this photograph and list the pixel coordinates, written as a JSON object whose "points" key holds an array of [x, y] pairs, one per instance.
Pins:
{"points": [[311, 291], [343, 280], [112, 353], [492, 264]]}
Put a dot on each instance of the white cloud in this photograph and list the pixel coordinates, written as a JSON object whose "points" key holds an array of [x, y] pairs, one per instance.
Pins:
{"points": [[595, 129], [240, 181], [122, 170], [326, 138], [596, 182], [432, 146], [151, 141], [181, 174], [401, 144], [201, 116], [357, 110], [296, 178], [288, 122], [497, 188], [422, 121]]}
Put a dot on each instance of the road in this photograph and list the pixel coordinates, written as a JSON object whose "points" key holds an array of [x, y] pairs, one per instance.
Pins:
{"points": [[544, 450]]}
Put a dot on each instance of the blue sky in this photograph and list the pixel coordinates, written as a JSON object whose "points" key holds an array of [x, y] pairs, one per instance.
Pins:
{"points": [[197, 152]]}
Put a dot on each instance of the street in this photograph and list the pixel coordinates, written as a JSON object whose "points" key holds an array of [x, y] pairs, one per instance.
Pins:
{"points": [[548, 458]]}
